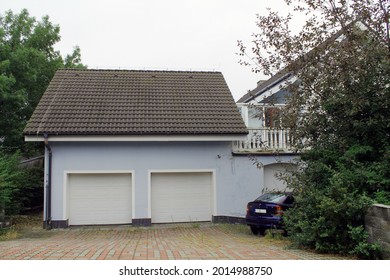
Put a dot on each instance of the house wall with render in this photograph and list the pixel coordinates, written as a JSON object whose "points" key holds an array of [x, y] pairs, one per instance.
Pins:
{"points": [[237, 179]]}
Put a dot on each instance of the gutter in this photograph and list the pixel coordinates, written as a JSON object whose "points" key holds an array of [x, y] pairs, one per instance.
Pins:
{"points": [[47, 222]]}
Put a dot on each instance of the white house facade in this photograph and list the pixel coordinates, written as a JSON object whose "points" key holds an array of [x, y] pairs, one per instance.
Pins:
{"points": [[145, 147]]}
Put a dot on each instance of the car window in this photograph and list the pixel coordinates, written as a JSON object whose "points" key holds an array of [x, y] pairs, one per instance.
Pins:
{"points": [[289, 200], [271, 197]]}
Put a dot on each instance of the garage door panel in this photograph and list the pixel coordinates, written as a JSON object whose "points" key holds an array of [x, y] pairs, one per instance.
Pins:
{"points": [[271, 180], [99, 199], [181, 197]]}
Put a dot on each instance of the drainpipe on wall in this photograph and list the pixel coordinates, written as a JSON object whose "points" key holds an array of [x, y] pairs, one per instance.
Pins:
{"points": [[47, 223]]}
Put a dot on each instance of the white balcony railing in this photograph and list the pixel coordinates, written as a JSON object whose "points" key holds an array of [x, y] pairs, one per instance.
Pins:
{"points": [[265, 140]]}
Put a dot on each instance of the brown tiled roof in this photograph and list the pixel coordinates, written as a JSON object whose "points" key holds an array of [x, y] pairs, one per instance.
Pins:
{"points": [[278, 77], [127, 102]]}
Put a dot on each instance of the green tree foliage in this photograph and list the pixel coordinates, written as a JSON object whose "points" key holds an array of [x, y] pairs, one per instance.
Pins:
{"points": [[21, 187], [339, 112], [74, 60], [28, 62], [10, 183], [30, 194]]}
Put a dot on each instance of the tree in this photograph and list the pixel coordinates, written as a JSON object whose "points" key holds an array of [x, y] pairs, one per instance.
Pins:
{"points": [[10, 183], [28, 62], [339, 112]]}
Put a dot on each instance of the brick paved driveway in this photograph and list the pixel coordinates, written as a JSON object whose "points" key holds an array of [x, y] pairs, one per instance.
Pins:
{"points": [[196, 241]]}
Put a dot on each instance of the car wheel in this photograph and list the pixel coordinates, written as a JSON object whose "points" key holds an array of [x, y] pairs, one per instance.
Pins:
{"points": [[261, 231], [255, 230]]}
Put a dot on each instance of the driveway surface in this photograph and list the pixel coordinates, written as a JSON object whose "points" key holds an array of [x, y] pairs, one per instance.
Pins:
{"points": [[161, 242]]}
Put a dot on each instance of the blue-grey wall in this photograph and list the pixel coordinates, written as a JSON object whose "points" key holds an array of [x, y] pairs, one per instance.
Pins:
{"points": [[237, 179]]}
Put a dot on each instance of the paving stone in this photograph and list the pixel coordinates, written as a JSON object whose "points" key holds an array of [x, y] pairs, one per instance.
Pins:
{"points": [[166, 242]]}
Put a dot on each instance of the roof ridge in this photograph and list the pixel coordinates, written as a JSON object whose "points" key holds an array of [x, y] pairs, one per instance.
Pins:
{"points": [[138, 70]]}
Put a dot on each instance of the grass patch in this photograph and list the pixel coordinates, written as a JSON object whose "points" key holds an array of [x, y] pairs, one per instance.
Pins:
{"points": [[195, 225], [235, 228], [24, 226], [276, 237], [274, 234], [8, 233], [27, 222]]}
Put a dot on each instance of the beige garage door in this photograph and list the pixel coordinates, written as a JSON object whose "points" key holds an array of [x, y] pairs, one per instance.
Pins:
{"points": [[181, 197], [272, 181], [96, 199]]}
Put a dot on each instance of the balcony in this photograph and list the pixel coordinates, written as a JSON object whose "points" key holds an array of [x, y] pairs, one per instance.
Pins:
{"points": [[264, 140]]}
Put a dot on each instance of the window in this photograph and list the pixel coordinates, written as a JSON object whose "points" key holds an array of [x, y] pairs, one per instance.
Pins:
{"points": [[272, 117]]}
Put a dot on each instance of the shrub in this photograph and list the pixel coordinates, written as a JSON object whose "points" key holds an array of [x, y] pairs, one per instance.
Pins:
{"points": [[382, 197], [30, 194], [363, 249], [333, 192], [10, 183], [20, 188]]}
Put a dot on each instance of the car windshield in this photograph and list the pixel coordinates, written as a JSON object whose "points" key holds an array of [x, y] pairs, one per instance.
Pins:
{"points": [[271, 197]]}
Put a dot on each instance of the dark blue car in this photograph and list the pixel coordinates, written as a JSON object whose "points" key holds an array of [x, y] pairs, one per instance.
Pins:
{"points": [[267, 210]]}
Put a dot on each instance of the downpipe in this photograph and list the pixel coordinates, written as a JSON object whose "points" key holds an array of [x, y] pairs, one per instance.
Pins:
{"points": [[47, 224]]}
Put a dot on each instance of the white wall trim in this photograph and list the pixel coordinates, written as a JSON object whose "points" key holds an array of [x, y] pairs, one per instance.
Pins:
{"points": [[65, 187], [135, 138], [213, 182]]}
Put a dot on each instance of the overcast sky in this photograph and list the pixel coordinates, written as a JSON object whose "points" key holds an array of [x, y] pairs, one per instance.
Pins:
{"points": [[198, 35]]}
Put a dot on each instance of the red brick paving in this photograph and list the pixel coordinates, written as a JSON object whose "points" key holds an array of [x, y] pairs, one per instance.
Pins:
{"points": [[204, 241]]}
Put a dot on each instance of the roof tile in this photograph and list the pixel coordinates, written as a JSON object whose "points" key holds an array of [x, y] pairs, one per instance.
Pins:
{"points": [[105, 102]]}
